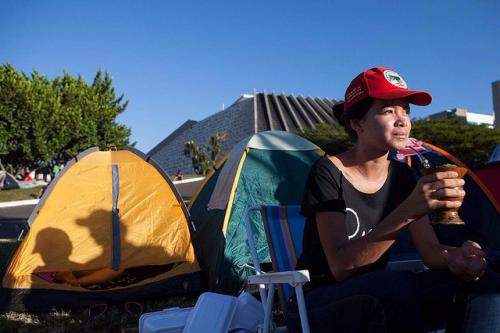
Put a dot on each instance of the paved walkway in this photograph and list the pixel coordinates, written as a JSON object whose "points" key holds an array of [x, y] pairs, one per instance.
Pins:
{"points": [[17, 209]]}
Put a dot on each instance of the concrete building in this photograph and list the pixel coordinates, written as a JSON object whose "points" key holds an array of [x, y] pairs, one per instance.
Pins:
{"points": [[250, 114], [469, 117], [492, 120], [495, 89]]}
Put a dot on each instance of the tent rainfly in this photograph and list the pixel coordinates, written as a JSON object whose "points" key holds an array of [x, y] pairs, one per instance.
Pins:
{"points": [[267, 168], [110, 227]]}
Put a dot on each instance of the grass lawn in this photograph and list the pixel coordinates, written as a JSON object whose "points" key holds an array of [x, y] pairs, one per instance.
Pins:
{"points": [[19, 194], [32, 193], [115, 319]]}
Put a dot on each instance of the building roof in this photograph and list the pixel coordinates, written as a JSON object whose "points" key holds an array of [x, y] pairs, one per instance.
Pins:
{"points": [[270, 112], [187, 125], [289, 113]]}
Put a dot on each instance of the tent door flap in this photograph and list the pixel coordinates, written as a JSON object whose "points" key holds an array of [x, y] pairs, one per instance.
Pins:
{"points": [[116, 222]]}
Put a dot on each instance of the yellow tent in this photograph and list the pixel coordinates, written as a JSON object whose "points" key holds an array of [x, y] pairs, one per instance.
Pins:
{"points": [[107, 212]]}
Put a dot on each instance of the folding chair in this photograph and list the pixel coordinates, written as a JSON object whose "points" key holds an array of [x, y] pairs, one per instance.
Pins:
{"points": [[284, 229]]}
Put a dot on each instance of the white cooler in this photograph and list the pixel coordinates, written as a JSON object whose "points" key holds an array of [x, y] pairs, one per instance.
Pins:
{"points": [[213, 313], [170, 320]]}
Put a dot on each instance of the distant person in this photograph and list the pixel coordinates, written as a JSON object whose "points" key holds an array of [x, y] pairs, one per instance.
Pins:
{"points": [[178, 175], [56, 169], [42, 191], [27, 175], [20, 174]]}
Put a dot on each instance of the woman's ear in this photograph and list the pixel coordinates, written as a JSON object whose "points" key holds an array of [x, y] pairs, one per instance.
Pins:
{"points": [[356, 125]]}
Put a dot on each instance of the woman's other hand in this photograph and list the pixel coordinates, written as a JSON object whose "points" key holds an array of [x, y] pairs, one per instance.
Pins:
{"points": [[468, 261]]}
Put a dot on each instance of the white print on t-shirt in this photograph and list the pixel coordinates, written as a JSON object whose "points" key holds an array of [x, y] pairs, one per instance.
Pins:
{"points": [[350, 210]]}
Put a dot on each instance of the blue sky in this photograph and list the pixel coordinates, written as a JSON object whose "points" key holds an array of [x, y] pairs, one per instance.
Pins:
{"points": [[179, 60]]}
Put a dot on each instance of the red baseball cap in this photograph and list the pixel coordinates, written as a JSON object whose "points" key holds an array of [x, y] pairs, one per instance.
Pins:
{"points": [[382, 83]]}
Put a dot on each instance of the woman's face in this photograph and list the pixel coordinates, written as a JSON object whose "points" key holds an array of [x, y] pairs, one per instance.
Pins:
{"points": [[386, 125]]}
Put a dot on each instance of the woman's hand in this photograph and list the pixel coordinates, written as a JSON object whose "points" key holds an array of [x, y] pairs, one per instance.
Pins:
{"points": [[431, 193], [468, 262]]}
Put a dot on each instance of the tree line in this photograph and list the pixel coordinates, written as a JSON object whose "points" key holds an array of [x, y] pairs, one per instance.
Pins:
{"points": [[471, 143], [44, 120]]}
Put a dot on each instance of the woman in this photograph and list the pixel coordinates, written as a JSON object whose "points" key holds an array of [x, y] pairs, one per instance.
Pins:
{"points": [[356, 203]]}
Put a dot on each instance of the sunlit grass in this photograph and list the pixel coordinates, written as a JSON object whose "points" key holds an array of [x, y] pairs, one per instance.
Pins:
{"points": [[19, 194]]}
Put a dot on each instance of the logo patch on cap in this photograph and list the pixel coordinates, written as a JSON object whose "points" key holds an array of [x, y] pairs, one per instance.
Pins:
{"points": [[395, 79]]}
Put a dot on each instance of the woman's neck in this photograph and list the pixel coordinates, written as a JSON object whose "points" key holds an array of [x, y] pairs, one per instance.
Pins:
{"points": [[369, 163]]}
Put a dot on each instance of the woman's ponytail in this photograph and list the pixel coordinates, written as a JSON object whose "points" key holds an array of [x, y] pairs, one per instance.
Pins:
{"points": [[338, 111], [357, 111]]}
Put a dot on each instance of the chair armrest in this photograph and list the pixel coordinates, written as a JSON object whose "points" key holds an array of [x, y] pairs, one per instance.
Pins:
{"points": [[291, 277], [413, 265]]}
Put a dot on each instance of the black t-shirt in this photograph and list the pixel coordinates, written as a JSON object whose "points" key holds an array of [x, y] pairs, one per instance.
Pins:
{"points": [[327, 190]]}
